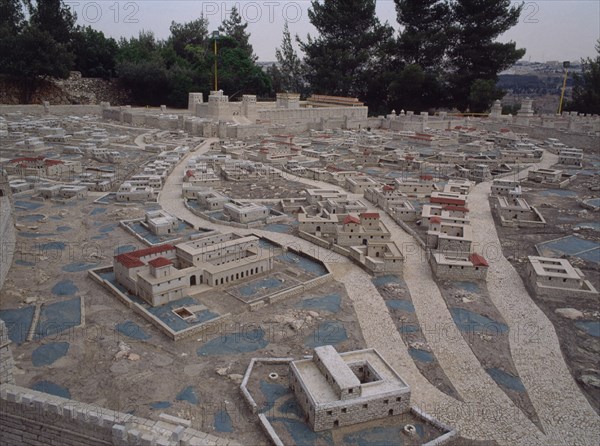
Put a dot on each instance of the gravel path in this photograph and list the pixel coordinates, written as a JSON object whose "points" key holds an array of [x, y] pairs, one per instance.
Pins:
{"points": [[486, 412], [564, 412]]}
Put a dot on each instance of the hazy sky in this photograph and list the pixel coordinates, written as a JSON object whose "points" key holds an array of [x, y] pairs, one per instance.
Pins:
{"points": [[548, 29]]}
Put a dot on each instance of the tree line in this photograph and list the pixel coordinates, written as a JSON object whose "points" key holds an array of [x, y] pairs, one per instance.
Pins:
{"points": [[445, 55]]}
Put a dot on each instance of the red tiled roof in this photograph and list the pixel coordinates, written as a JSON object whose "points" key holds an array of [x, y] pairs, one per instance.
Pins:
{"points": [[129, 261], [189, 173], [159, 262], [351, 219], [370, 215], [132, 259], [426, 177], [52, 162], [478, 260], [435, 220], [26, 158], [388, 187]]}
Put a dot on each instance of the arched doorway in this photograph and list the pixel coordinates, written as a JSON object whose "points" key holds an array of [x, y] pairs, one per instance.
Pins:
{"points": [[192, 280]]}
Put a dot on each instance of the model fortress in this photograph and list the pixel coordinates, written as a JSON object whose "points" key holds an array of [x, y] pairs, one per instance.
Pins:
{"points": [[339, 389], [160, 274]]}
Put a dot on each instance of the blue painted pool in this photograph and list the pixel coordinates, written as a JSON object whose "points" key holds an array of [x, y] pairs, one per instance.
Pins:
{"points": [[58, 317], [132, 330], [590, 327], [107, 228], [571, 245], [30, 206], [558, 192], [506, 379], [188, 394], [18, 322], [49, 353], [399, 304], [165, 314], [234, 343], [589, 225], [254, 287], [593, 202], [50, 246], [24, 263], [64, 288], [98, 211], [144, 233], [63, 228], [308, 265], [272, 392], [124, 248], [302, 434], [329, 303], [469, 321], [327, 332], [278, 227], [35, 234], [77, 267], [421, 355], [31, 218], [222, 422], [160, 405], [408, 328], [52, 389], [471, 287], [384, 280], [107, 199]]}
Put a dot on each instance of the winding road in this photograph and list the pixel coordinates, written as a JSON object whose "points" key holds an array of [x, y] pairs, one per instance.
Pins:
{"points": [[484, 412]]}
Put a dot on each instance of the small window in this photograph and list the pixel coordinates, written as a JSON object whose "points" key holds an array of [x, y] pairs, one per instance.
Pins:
{"points": [[350, 390], [344, 410], [398, 399], [365, 406], [386, 401], [330, 412]]}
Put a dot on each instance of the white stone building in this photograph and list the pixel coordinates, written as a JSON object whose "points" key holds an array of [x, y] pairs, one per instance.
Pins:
{"points": [[341, 389], [557, 278]]}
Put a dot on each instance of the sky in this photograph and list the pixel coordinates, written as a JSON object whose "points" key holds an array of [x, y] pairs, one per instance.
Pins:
{"points": [[547, 29]]}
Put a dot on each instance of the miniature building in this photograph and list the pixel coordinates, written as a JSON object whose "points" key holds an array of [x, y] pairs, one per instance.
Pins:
{"points": [[449, 199], [480, 173], [544, 175], [211, 200], [514, 211], [358, 184], [571, 157], [448, 214], [128, 192], [557, 278], [161, 222], [245, 212], [449, 237], [506, 187], [162, 273], [458, 266], [416, 188], [337, 390]]}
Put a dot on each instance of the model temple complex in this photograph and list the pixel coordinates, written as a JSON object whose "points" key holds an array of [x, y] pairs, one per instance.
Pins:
{"points": [[297, 272]]}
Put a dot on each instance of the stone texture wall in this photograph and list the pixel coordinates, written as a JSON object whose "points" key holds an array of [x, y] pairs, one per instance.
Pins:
{"points": [[7, 362], [74, 90], [7, 238]]}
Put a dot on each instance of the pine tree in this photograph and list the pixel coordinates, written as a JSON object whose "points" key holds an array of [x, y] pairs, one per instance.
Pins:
{"points": [[424, 39], [11, 16], [475, 55], [586, 86], [289, 65], [234, 28], [53, 17], [345, 58]]}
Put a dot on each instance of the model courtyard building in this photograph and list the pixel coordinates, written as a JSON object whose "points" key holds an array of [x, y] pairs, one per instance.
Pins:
{"points": [[554, 278], [163, 273], [341, 389]]}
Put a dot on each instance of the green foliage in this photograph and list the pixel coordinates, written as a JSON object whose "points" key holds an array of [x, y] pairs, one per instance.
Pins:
{"points": [[11, 16], [483, 93], [185, 36], [94, 53], [346, 55], [235, 29], [54, 17], [289, 69], [586, 86], [474, 54]]}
